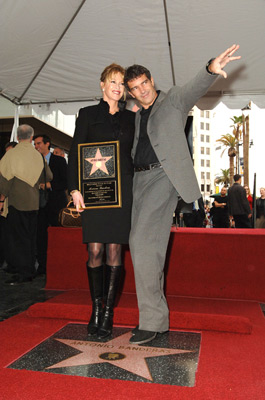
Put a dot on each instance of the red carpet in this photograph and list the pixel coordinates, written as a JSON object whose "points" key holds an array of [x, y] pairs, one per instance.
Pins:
{"points": [[185, 313], [214, 263], [231, 367], [215, 279], [204, 263]]}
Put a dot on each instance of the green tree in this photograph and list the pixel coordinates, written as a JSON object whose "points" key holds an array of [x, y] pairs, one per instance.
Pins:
{"points": [[241, 132], [238, 128], [224, 177], [229, 142], [246, 148]]}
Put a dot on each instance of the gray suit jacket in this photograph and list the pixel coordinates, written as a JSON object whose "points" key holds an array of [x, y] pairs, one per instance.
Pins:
{"points": [[165, 129]]}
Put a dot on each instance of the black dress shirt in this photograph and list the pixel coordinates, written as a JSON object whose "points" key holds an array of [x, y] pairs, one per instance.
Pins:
{"points": [[145, 154]]}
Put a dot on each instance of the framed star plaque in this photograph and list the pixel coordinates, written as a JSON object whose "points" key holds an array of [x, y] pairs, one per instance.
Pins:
{"points": [[99, 174]]}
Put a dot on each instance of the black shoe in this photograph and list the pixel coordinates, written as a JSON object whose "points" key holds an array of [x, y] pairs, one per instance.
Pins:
{"points": [[95, 279], [135, 330], [106, 325], [17, 280], [95, 319], [141, 337], [111, 285]]}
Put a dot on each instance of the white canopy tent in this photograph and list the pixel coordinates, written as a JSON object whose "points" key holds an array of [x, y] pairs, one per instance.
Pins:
{"points": [[54, 51]]}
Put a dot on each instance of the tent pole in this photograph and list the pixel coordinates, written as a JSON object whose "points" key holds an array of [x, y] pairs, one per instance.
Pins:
{"points": [[169, 44], [13, 137], [51, 52]]}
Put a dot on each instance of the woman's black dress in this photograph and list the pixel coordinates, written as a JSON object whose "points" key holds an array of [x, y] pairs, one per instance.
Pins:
{"points": [[95, 124]]}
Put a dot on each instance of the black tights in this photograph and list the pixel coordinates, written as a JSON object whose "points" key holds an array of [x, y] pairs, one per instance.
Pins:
{"points": [[96, 251]]}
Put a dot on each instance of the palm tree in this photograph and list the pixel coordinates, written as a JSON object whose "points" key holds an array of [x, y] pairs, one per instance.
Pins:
{"points": [[224, 177], [246, 148], [238, 122], [230, 142], [238, 132], [243, 134]]}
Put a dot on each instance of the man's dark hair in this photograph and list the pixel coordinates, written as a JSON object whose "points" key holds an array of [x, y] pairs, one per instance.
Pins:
{"points": [[45, 138], [237, 177], [133, 72]]}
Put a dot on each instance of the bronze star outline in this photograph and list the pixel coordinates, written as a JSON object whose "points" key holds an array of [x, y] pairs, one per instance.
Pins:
{"points": [[98, 162], [116, 352]]}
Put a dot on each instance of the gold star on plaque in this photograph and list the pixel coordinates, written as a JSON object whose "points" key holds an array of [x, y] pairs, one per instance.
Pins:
{"points": [[98, 162]]}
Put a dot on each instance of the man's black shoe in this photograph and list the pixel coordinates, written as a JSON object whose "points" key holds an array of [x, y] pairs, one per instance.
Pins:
{"points": [[141, 337], [135, 330]]}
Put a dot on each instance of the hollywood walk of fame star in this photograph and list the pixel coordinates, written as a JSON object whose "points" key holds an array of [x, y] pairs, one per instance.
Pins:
{"points": [[98, 162], [116, 352]]}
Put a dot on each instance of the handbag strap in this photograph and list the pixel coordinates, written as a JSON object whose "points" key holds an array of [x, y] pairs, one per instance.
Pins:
{"points": [[72, 210]]}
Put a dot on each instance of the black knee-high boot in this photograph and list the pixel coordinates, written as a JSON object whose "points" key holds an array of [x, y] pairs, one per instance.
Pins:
{"points": [[95, 279], [112, 280]]}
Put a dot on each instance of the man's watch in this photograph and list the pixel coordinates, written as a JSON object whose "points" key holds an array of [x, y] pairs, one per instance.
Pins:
{"points": [[207, 67]]}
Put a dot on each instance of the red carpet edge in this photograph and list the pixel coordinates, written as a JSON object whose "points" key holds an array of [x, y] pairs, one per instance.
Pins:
{"points": [[185, 313]]}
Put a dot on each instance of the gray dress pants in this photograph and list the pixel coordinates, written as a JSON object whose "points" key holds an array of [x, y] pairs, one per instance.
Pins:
{"points": [[154, 202]]}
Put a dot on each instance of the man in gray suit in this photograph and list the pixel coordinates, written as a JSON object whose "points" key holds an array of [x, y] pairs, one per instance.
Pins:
{"points": [[163, 170]]}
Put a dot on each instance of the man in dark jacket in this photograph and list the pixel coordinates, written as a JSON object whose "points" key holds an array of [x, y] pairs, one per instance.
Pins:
{"points": [[238, 205], [196, 217], [57, 199], [220, 212]]}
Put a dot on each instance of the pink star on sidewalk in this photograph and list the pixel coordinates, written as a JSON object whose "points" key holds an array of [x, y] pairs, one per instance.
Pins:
{"points": [[117, 352]]}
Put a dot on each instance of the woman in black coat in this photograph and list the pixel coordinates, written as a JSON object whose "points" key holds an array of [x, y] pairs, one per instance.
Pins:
{"points": [[105, 228]]}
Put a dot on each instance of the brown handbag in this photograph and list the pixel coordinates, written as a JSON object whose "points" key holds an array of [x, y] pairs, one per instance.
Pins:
{"points": [[69, 217]]}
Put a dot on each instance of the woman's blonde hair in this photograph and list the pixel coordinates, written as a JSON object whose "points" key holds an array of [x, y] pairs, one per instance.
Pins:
{"points": [[111, 70], [247, 188]]}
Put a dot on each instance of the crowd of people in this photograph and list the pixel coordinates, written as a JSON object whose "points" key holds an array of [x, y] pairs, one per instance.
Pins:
{"points": [[157, 174], [236, 207], [231, 208], [25, 174]]}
